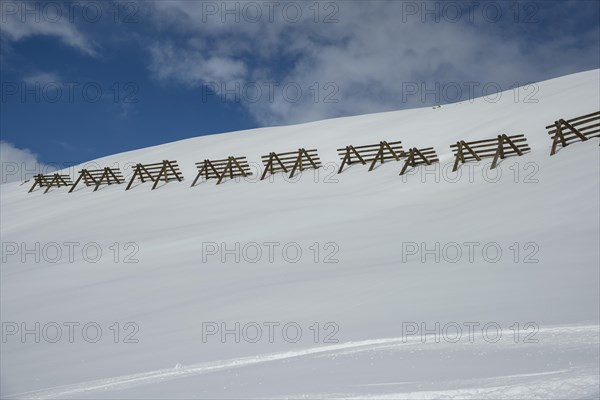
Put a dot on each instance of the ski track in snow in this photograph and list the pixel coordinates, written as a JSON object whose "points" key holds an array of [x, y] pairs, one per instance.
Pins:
{"points": [[544, 388], [546, 384]]}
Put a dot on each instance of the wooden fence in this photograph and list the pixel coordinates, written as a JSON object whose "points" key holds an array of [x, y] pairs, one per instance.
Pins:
{"points": [[50, 180], [220, 169], [562, 132], [581, 128], [499, 148], [416, 157], [293, 160], [370, 153], [97, 177], [165, 170]]}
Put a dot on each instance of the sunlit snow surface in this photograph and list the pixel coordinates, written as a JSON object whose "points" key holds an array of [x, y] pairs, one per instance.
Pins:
{"points": [[550, 204]]}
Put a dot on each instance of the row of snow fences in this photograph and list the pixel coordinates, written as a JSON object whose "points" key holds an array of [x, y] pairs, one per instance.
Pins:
{"points": [[565, 132], [499, 148]]}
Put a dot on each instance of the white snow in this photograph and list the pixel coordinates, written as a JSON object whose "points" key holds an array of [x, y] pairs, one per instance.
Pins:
{"points": [[549, 206]]}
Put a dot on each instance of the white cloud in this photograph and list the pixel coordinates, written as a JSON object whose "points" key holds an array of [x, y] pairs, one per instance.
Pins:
{"points": [[19, 164], [192, 67], [21, 20], [360, 62]]}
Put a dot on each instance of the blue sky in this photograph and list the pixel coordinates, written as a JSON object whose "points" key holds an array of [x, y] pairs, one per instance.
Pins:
{"points": [[88, 79]]}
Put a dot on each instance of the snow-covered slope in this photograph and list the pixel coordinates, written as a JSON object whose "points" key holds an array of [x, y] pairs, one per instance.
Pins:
{"points": [[542, 213]]}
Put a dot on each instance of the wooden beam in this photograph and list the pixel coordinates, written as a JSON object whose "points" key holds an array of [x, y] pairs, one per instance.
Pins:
{"points": [[114, 175], [135, 173], [236, 162], [392, 152], [422, 157], [104, 174], [512, 144], [499, 151], [36, 181], [558, 136], [170, 165], [378, 156], [163, 170], [358, 155], [52, 182], [298, 163], [410, 160], [228, 166], [269, 164], [470, 150], [346, 158], [81, 173], [310, 159], [574, 130], [280, 163], [458, 156]]}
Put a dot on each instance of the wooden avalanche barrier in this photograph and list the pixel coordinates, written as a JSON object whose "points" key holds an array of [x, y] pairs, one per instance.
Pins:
{"points": [[499, 148], [290, 161], [51, 180], [370, 153], [220, 169], [581, 128], [165, 170], [97, 177], [418, 157]]}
